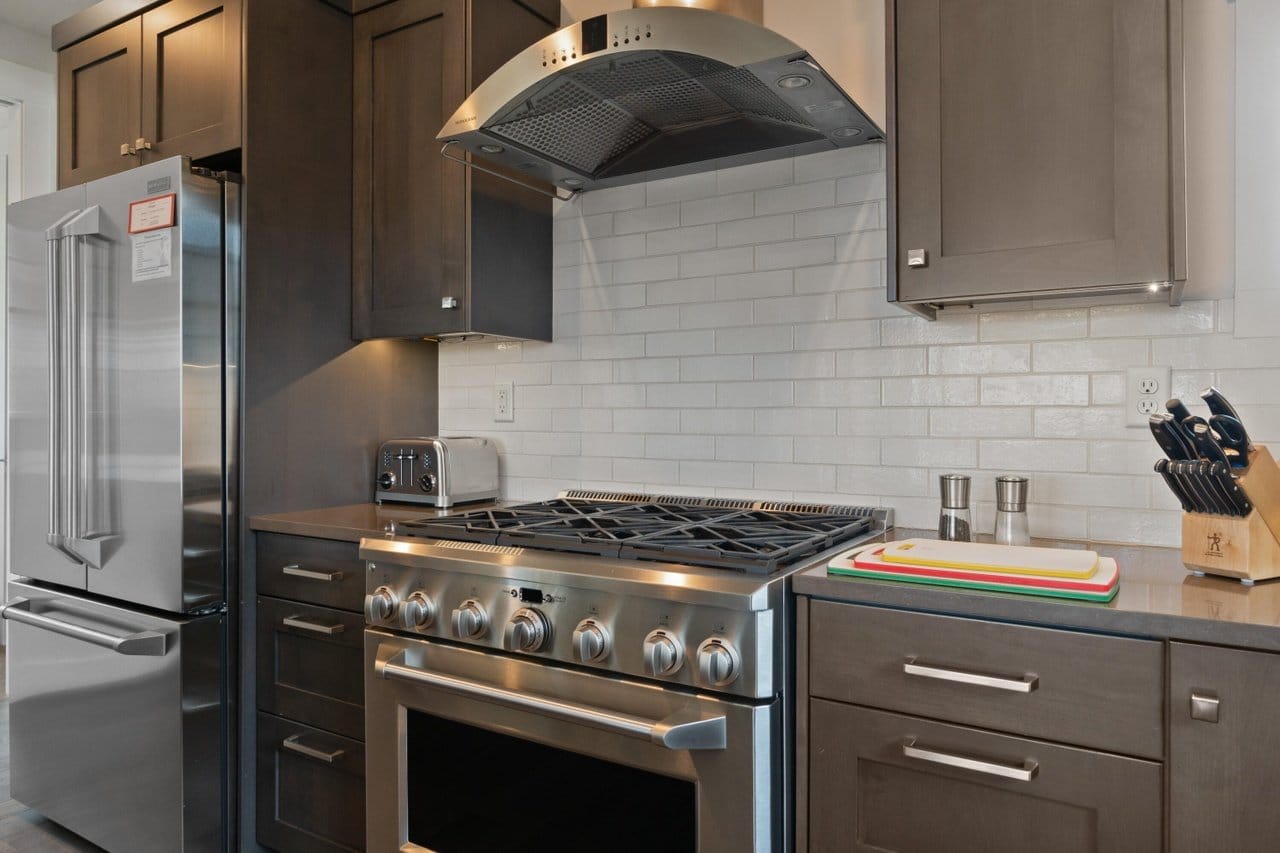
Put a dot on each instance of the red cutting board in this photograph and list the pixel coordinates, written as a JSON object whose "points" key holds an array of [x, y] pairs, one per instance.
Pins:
{"points": [[872, 560]]}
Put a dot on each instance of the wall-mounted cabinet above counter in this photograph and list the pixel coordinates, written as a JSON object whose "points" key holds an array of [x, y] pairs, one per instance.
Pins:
{"points": [[441, 250], [1036, 150]]}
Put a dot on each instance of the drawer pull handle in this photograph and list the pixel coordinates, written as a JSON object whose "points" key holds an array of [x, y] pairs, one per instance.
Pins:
{"points": [[293, 743], [1024, 772], [1204, 707], [314, 627], [296, 571], [1025, 684]]}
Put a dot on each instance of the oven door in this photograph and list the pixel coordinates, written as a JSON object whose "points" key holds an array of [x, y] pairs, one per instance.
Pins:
{"points": [[476, 751]]}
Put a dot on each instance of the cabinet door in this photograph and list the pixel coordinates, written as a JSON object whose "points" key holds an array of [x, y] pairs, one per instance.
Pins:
{"points": [[191, 77], [99, 103], [887, 782], [1223, 775], [1032, 145], [409, 226]]}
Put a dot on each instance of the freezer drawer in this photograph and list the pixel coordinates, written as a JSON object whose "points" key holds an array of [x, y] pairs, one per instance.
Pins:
{"points": [[116, 721]]}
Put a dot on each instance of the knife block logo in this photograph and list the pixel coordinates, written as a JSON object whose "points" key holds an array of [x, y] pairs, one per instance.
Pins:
{"points": [[1214, 547]]}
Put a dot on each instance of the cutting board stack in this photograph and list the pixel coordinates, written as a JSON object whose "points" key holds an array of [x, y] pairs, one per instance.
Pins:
{"points": [[1052, 572]]}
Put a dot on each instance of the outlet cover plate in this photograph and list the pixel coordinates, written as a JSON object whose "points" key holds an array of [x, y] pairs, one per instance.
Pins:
{"points": [[504, 402], [1145, 391]]}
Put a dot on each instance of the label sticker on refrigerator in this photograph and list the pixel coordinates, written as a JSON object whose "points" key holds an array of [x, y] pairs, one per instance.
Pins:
{"points": [[151, 214], [152, 255]]}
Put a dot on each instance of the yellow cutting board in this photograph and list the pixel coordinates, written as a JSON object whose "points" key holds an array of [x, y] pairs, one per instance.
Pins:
{"points": [[1015, 559]]}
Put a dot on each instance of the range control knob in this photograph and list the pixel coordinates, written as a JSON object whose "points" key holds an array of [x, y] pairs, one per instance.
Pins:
{"points": [[527, 631], [418, 611], [427, 482], [591, 641], [718, 662], [380, 605], [386, 480], [663, 653], [470, 621]]}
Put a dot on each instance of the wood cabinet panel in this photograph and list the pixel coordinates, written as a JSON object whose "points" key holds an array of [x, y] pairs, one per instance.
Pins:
{"points": [[315, 571], [876, 784], [1050, 684], [191, 77], [1222, 774], [1031, 146], [99, 103], [310, 789]]}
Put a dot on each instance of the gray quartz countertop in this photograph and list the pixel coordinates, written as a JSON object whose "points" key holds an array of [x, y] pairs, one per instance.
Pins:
{"points": [[353, 522], [1158, 597]]}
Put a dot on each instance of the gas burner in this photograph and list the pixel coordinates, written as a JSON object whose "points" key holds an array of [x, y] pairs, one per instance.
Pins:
{"points": [[751, 537]]}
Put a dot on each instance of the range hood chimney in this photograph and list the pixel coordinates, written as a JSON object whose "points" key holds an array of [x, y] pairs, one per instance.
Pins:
{"points": [[664, 89]]}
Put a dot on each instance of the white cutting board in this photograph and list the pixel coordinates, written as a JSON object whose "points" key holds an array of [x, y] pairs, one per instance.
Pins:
{"points": [[1015, 559]]}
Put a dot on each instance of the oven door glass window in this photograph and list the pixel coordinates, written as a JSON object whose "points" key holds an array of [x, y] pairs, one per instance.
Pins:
{"points": [[471, 791]]}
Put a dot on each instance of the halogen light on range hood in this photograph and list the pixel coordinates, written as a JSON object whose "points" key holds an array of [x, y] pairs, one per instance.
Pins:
{"points": [[660, 90]]}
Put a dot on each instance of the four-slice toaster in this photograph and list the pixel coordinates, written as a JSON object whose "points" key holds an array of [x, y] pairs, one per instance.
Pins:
{"points": [[437, 470]]}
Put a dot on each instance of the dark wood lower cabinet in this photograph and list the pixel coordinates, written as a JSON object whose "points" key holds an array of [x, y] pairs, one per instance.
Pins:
{"points": [[311, 665], [310, 788], [1224, 749], [887, 782]]}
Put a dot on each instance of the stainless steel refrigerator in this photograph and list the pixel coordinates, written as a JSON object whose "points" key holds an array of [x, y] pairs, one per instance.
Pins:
{"points": [[123, 321]]}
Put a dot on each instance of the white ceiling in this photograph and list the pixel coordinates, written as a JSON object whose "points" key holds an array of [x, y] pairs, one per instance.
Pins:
{"points": [[39, 16]]}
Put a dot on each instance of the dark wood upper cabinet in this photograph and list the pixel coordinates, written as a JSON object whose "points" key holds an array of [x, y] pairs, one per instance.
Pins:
{"points": [[1224, 750], [440, 249], [99, 103], [191, 77], [169, 77], [1033, 148]]}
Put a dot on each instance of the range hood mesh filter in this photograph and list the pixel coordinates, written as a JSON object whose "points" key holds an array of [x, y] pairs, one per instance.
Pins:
{"points": [[586, 117]]}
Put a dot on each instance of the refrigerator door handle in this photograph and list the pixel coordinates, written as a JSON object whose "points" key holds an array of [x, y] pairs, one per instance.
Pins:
{"points": [[148, 643], [57, 265]]}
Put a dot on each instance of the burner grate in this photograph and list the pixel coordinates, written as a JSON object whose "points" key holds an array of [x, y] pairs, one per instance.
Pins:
{"points": [[699, 532]]}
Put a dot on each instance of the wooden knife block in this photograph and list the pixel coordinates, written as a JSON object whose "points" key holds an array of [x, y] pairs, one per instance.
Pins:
{"points": [[1248, 548]]}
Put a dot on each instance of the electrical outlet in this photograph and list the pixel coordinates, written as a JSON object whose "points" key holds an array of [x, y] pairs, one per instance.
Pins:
{"points": [[1146, 390], [504, 401]]}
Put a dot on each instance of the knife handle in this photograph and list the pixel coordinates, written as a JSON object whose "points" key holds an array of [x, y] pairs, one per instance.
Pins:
{"points": [[1232, 434], [1178, 409], [1218, 403], [1169, 436], [1205, 443], [1239, 500], [1162, 468]]}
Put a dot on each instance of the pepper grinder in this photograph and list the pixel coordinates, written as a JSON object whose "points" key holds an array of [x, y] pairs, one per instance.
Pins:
{"points": [[1011, 511], [954, 521]]}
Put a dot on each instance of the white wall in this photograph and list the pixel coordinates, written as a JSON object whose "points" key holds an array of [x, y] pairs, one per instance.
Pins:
{"points": [[27, 75]]}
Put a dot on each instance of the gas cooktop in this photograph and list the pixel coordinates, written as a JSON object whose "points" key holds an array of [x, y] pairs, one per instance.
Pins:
{"points": [[748, 536]]}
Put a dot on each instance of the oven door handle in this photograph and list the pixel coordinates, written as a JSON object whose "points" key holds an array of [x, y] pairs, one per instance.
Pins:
{"points": [[682, 730]]}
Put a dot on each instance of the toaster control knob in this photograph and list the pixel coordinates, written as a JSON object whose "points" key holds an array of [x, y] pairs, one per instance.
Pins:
{"points": [[470, 621], [380, 605], [427, 482], [718, 662], [417, 611], [663, 654], [527, 631], [386, 480], [590, 641]]}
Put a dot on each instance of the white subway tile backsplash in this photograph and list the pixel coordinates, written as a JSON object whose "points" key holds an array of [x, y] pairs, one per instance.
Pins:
{"points": [[727, 334]]}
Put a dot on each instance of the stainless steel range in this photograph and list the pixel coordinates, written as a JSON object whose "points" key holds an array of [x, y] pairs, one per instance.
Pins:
{"points": [[596, 666]]}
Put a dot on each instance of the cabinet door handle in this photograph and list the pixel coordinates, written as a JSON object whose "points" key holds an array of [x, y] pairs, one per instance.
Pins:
{"points": [[314, 627], [296, 571], [1020, 684], [1024, 772], [1204, 707], [294, 743]]}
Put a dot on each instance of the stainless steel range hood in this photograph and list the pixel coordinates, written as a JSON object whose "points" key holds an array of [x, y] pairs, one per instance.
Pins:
{"points": [[649, 93]]}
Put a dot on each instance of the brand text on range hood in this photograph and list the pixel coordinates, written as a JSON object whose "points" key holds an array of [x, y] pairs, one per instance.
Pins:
{"points": [[651, 93]]}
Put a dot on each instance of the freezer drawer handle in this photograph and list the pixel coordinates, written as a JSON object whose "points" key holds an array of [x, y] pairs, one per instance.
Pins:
{"points": [[295, 571], [1024, 772], [149, 643], [1024, 684], [293, 743], [314, 627], [683, 730]]}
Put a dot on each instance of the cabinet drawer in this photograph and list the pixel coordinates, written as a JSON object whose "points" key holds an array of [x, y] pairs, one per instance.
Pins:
{"points": [[317, 571], [888, 782], [310, 665], [310, 789], [1102, 692]]}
